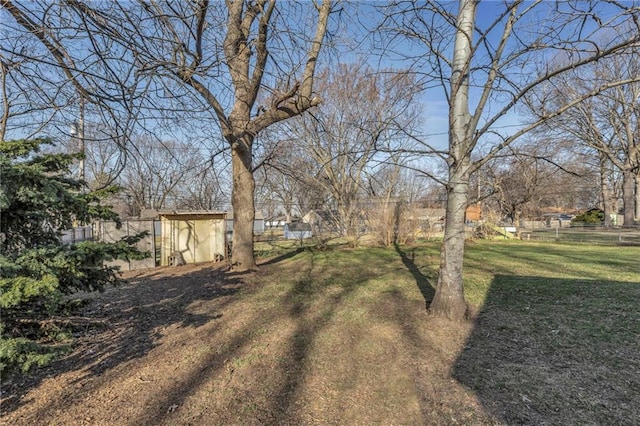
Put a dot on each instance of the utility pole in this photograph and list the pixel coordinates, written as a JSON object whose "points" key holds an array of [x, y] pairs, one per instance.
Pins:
{"points": [[77, 130], [81, 137]]}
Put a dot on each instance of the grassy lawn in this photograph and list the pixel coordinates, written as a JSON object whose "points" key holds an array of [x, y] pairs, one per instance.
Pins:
{"points": [[342, 336], [555, 339]]}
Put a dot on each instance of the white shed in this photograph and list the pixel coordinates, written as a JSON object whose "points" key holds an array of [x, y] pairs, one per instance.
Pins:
{"points": [[297, 231], [192, 237]]}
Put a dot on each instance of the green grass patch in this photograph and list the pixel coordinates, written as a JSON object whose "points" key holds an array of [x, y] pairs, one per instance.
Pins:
{"points": [[484, 260], [555, 340]]}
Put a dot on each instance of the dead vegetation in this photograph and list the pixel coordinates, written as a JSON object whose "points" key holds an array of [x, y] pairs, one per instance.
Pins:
{"points": [[337, 337]]}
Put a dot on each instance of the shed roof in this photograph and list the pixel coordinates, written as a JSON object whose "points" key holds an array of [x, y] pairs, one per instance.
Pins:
{"points": [[184, 214]]}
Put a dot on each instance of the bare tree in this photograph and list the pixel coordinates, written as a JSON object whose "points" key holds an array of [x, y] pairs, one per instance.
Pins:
{"points": [[391, 202], [290, 176], [280, 182], [33, 98], [227, 55], [155, 178], [486, 74], [536, 176], [607, 124], [204, 189], [68, 62], [365, 114], [517, 185]]}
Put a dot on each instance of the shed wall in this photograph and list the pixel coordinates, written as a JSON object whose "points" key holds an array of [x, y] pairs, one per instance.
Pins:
{"points": [[195, 239]]}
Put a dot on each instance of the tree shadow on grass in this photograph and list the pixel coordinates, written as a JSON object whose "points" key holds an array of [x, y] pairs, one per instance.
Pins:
{"points": [[422, 281], [556, 351], [140, 311], [298, 304], [127, 321], [288, 255]]}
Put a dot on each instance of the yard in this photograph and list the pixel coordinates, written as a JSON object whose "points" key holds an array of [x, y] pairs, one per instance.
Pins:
{"points": [[342, 336], [589, 234]]}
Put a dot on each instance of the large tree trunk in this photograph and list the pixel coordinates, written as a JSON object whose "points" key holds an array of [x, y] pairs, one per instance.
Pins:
{"points": [[605, 189], [243, 208], [637, 188], [517, 215], [628, 196], [448, 300]]}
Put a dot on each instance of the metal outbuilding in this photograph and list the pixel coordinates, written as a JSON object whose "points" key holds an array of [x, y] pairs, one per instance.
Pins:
{"points": [[297, 231], [192, 237]]}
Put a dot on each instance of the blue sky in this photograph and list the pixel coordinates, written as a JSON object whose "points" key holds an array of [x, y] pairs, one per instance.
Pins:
{"points": [[535, 23], [435, 124]]}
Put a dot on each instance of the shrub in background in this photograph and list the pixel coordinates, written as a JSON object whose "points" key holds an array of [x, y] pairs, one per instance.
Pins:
{"points": [[590, 217]]}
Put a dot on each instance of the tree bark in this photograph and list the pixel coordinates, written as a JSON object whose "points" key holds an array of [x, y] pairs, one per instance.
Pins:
{"points": [[628, 197], [242, 129], [605, 190], [637, 189], [448, 300], [242, 256]]}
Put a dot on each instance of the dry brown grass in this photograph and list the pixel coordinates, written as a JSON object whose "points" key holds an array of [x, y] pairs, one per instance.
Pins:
{"points": [[337, 337]]}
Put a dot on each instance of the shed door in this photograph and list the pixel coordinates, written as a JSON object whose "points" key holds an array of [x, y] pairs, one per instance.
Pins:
{"points": [[202, 237], [186, 239], [217, 239]]}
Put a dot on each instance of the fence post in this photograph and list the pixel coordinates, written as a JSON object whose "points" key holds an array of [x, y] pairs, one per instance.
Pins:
{"points": [[557, 232]]}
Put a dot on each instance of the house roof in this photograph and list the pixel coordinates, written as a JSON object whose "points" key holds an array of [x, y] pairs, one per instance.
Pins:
{"points": [[318, 214], [155, 214], [298, 227]]}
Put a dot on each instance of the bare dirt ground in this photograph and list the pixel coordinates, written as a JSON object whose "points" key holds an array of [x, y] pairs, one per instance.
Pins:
{"points": [[194, 345]]}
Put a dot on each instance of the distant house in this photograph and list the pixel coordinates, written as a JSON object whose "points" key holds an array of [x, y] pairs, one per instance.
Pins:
{"points": [[428, 220], [473, 213], [321, 219], [297, 231], [275, 222], [313, 218], [258, 223], [555, 220]]}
